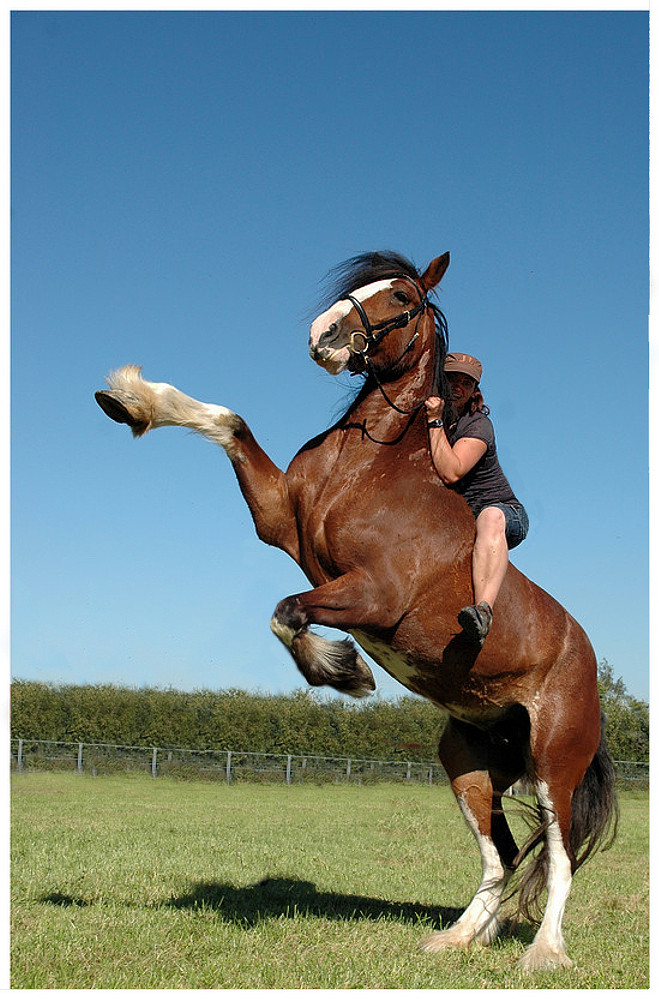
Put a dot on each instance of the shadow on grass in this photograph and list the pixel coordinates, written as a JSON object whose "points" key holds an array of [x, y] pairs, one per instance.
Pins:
{"points": [[276, 897], [57, 898], [286, 897]]}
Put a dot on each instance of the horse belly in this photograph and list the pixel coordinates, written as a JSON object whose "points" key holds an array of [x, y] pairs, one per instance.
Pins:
{"points": [[398, 664]]}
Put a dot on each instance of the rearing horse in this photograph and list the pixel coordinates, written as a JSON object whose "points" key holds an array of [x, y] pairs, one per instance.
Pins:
{"points": [[387, 548]]}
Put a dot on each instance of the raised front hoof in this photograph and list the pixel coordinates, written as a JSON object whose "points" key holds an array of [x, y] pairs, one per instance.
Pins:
{"points": [[359, 682], [540, 957], [326, 663], [113, 407]]}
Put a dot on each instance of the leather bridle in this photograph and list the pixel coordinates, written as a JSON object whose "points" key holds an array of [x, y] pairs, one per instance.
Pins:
{"points": [[373, 334]]}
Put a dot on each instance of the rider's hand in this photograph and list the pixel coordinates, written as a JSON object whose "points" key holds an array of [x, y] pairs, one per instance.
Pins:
{"points": [[434, 408]]}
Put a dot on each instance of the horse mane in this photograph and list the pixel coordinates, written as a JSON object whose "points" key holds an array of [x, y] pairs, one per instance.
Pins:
{"points": [[362, 269]]}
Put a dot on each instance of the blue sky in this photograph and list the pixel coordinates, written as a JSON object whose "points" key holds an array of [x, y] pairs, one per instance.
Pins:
{"points": [[182, 182]]}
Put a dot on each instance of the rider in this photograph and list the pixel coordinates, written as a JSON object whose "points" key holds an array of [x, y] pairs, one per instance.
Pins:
{"points": [[465, 457]]}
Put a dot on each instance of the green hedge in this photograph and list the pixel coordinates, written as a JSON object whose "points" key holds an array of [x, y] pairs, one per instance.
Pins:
{"points": [[304, 722], [299, 723]]}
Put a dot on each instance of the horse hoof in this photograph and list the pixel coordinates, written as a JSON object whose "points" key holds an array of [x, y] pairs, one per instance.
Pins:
{"points": [[361, 682], [443, 939], [326, 663], [117, 411], [540, 958]]}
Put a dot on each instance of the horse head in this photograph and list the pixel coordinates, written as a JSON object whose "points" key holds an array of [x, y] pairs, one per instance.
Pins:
{"points": [[377, 295]]}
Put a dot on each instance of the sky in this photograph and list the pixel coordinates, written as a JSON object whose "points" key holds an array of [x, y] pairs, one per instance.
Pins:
{"points": [[182, 182]]}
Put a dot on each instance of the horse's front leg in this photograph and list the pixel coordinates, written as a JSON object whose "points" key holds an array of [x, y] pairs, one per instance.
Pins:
{"points": [[348, 602], [147, 405]]}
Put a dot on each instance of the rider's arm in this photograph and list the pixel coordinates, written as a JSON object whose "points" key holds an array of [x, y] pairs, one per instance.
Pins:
{"points": [[451, 463]]}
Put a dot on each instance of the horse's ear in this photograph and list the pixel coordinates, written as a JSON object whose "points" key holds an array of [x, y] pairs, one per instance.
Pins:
{"points": [[434, 272]]}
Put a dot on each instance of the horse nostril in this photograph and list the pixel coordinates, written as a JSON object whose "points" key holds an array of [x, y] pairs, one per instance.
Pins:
{"points": [[329, 336]]}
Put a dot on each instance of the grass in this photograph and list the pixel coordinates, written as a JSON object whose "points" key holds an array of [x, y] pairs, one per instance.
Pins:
{"points": [[126, 882]]}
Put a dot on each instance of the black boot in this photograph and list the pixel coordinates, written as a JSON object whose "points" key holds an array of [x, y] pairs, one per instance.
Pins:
{"points": [[476, 621]]}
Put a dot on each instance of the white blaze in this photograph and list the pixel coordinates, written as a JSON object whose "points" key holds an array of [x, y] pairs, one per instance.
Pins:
{"points": [[337, 312]]}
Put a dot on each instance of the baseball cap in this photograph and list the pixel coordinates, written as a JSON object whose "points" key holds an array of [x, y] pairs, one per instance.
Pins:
{"points": [[464, 363]]}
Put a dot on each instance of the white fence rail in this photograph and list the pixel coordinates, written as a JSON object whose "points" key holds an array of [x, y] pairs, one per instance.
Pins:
{"points": [[231, 766]]}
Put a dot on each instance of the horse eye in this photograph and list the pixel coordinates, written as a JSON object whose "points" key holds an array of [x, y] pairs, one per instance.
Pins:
{"points": [[401, 296]]}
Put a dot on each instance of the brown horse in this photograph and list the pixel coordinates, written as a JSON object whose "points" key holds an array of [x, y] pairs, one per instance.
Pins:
{"points": [[387, 548]]}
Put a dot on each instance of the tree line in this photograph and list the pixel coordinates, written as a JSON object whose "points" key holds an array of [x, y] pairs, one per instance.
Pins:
{"points": [[304, 722]]}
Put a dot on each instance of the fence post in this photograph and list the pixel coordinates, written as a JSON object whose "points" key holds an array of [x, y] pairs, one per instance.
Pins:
{"points": [[228, 766], [19, 760], [154, 763], [409, 771], [288, 769], [348, 769], [79, 757]]}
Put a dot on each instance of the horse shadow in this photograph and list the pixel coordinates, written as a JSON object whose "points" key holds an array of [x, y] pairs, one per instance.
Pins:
{"points": [[64, 901], [249, 905], [276, 897]]}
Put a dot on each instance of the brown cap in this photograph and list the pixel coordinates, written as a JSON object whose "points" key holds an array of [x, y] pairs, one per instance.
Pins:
{"points": [[464, 363]]}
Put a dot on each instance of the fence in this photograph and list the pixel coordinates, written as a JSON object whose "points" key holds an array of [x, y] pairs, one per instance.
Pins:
{"points": [[231, 766]]}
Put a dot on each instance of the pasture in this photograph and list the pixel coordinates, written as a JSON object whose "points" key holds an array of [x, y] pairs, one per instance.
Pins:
{"points": [[132, 883]]}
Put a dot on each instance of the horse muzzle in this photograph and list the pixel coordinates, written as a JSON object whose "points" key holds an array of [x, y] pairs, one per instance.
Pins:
{"points": [[332, 359]]}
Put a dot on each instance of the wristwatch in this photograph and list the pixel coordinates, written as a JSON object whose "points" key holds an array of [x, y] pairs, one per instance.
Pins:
{"points": [[435, 423]]}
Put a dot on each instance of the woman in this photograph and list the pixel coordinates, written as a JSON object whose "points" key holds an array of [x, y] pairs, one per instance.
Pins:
{"points": [[465, 457]]}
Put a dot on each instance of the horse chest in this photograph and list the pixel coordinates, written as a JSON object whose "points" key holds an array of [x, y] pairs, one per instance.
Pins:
{"points": [[349, 496], [335, 502]]}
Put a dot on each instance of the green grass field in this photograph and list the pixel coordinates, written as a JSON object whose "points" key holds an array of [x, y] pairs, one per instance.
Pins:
{"points": [[126, 882]]}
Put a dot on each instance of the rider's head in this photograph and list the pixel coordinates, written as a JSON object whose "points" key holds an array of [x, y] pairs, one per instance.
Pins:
{"points": [[464, 374]]}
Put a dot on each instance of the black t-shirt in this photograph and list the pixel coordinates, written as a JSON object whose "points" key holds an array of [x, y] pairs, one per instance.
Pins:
{"points": [[485, 483]]}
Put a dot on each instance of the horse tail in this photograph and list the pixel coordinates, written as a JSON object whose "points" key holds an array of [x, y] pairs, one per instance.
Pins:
{"points": [[593, 827], [595, 811]]}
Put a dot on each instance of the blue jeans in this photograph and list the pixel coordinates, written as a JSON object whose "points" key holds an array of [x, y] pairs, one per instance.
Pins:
{"points": [[517, 523]]}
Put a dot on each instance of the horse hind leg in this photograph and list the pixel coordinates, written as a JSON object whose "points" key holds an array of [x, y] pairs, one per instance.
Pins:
{"points": [[574, 783], [547, 951], [480, 923]]}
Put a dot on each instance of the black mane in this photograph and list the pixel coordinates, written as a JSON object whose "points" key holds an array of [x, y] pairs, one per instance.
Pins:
{"points": [[362, 269]]}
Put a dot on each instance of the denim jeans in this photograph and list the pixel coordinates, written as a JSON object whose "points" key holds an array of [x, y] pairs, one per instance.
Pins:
{"points": [[517, 523]]}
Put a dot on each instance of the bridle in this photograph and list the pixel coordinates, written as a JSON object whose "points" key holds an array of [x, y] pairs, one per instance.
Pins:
{"points": [[373, 334]]}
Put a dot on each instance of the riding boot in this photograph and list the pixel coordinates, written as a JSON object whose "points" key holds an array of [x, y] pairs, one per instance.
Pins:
{"points": [[476, 621]]}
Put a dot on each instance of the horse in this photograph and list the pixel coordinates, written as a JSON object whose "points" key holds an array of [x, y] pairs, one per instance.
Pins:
{"points": [[387, 549]]}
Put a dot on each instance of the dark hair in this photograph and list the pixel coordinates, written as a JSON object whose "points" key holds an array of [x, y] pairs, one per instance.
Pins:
{"points": [[362, 269], [477, 403]]}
